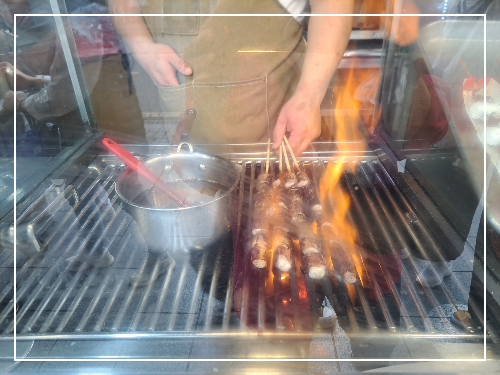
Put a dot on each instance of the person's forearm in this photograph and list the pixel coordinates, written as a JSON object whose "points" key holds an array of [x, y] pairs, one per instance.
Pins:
{"points": [[132, 29], [327, 40]]}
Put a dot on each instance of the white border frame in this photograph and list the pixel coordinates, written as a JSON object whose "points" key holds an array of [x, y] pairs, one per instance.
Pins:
{"points": [[252, 359]]}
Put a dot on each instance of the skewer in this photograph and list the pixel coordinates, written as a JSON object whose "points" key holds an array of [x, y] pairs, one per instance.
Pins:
{"points": [[290, 178], [286, 158], [268, 150], [281, 163], [291, 152]]}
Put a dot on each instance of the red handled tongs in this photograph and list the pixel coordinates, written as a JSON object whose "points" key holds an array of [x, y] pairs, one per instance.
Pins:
{"points": [[144, 171]]}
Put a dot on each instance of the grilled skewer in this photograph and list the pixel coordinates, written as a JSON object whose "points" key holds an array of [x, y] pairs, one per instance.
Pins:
{"points": [[281, 220], [290, 178], [338, 252], [306, 188], [260, 225], [309, 244]]}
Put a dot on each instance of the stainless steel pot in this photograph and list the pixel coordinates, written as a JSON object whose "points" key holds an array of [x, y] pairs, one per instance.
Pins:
{"points": [[165, 227]]}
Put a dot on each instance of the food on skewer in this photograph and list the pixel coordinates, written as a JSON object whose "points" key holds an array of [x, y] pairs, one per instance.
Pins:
{"points": [[306, 188], [282, 250], [296, 211], [309, 244], [259, 250], [263, 200], [281, 220], [303, 179], [260, 225], [338, 252], [316, 265], [290, 178]]}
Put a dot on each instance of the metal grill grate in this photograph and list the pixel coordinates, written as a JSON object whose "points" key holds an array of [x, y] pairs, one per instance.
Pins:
{"points": [[195, 297]]}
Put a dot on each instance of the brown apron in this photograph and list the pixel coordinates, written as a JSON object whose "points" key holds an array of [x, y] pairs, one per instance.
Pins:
{"points": [[244, 68]]}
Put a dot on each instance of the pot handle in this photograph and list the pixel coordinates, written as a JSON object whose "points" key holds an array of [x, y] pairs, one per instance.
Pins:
{"points": [[185, 143]]}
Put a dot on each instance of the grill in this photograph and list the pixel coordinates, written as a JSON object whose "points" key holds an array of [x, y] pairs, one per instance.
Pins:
{"points": [[194, 297]]}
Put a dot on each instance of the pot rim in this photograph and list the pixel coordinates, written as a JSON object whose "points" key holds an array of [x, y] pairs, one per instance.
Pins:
{"points": [[170, 156]]}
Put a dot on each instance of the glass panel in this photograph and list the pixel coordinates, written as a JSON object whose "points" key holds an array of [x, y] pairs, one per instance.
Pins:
{"points": [[424, 114], [341, 267], [53, 118]]}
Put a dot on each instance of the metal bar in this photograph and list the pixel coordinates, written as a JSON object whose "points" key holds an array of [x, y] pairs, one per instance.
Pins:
{"points": [[380, 298], [211, 294], [99, 293], [365, 306], [42, 282], [28, 210], [145, 296], [28, 285], [341, 283], [228, 303], [178, 296], [58, 201], [428, 291], [240, 199], [245, 293], [74, 282], [277, 287], [261, 306], [161, 298], [387, 237], [89, 280], [70, 212], [261, 312], [294, 294], [401, 238], [125, 306], [311, 294], [366, 228], [278, 298], [196, 292], [107, 307]]}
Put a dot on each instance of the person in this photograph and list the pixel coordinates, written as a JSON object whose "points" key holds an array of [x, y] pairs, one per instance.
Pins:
{"points": [[241, 79], [236, 79]]}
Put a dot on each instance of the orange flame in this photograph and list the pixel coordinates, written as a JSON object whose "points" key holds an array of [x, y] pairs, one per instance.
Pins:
{"points": [[349, 138]]}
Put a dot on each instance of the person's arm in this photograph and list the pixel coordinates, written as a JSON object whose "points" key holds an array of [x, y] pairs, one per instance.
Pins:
{"points": [[158, 60], [326, 42]]}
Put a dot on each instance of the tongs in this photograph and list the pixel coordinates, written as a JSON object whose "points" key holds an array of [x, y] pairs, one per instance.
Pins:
{"points": [[144, 171]]}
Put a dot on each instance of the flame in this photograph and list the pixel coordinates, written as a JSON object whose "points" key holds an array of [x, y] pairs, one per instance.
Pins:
{"points": [[349, 138]]}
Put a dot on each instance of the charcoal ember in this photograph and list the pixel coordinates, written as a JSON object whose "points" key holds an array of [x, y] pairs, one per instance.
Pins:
{"points": [[259, 250], [315, 264]]}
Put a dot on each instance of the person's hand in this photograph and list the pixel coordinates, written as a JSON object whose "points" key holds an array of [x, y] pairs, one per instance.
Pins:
{"points": [[161, 63], [8, 100], [300, 117], [24, 81]]}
